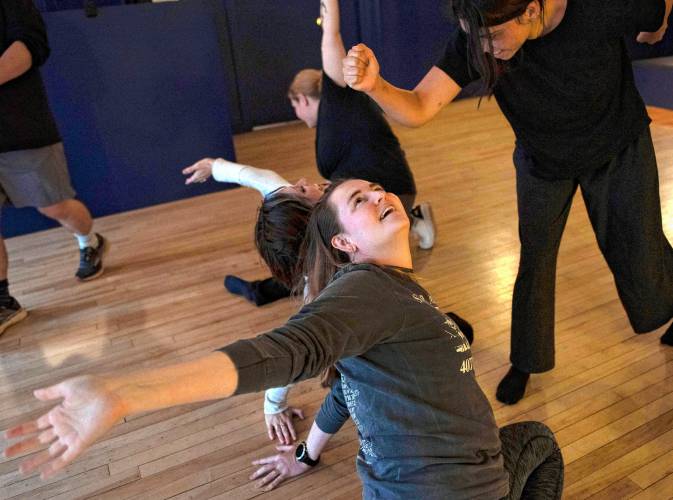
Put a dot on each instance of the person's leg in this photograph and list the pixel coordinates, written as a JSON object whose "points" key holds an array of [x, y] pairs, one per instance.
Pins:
{"points": [[625, 210], [259, 292], [11, 311], [543, 210], [422, 221], [74, 216], [534, 461], [39, 178], [71, 214]]}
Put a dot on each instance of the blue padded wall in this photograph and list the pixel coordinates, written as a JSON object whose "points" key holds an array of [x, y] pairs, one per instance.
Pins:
{"points": [[271, 41], [138, 92]]}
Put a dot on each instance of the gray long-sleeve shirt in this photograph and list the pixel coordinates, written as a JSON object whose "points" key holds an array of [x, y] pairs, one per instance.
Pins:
{"points": [[426, 429]]}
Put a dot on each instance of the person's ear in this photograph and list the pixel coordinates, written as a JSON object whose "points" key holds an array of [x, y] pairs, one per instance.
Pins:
{"points": [[343, 243], [533, 10]]}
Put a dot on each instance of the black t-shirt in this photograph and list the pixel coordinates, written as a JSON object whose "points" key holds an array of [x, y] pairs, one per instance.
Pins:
{"points": [[570, 95], [26, 121], [354, 140]]}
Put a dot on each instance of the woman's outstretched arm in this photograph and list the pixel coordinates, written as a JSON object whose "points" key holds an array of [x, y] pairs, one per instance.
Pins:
{"points": [[92, 405]]}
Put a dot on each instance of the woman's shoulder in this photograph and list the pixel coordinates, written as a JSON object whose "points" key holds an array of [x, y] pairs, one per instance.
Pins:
{"points": [[372, 272]]}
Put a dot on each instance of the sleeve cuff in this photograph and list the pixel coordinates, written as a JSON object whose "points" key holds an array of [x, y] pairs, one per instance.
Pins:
{"points": [[327, 425], [253, 372]]}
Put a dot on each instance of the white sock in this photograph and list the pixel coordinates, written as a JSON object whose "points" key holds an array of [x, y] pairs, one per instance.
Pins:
{"points": [[87, 240]]}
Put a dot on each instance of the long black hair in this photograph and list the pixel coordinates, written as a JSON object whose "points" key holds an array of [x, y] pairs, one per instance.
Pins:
{"points": [[474, 16]]}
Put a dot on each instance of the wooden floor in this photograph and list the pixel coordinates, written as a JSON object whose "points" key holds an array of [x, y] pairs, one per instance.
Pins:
{"points": [[610, 399]]}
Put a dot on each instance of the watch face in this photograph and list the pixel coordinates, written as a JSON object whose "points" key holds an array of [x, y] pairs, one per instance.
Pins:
{"points": [[300, 451]]}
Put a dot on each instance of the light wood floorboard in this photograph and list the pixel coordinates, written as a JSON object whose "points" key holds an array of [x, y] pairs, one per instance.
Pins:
{"points": [[609, 400]]}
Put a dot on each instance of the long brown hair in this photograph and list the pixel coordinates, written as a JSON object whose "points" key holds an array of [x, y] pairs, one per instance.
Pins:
{"points": [[478, 14], [319, 258]]}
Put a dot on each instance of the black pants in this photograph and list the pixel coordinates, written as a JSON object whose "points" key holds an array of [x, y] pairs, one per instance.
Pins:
{"points": [[533, 460], [622, 200]]}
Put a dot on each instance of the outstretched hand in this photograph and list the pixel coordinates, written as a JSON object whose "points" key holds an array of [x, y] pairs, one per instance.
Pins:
{"points": [[360, 68], [88, 410], [199, 172], [281, 425], [277, 468]]}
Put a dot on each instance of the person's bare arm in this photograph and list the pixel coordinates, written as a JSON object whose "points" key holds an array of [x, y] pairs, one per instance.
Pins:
{"points": [[14, 62], [92, 405], [657, 36], [332, 46], [412, 108]]}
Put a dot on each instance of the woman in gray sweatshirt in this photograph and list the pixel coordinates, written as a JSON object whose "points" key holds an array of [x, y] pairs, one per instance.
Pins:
{"points": [[406, 379]]}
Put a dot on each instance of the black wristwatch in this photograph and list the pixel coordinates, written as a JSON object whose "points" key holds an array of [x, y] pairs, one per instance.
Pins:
{"points": [[301, 454]]}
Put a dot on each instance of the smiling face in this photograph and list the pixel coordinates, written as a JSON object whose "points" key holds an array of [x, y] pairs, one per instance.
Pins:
{"points": [[506, 38], [374, 222]]}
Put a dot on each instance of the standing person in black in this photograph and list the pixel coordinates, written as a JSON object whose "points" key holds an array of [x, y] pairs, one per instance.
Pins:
{"points": [[353, 140], [33, 169], [560, 72]]}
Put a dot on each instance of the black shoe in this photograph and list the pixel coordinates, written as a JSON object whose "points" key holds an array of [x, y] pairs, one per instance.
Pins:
{"points": [[463, 325], [91, 260], [11, 313]]}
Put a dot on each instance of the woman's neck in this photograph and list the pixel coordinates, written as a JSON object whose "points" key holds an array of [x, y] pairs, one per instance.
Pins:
{"points": [[393, 257]]}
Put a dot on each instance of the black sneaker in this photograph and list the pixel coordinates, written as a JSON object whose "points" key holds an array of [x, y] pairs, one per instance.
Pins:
{"points": [[91, 260], [11, 313]]}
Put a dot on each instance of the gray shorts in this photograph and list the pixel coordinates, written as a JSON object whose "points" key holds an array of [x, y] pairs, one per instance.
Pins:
{"points": [[35, 177]]}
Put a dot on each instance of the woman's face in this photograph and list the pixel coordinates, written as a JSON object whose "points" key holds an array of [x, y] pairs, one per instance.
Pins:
{"points": [[507, 38], [303, 189], [371, 219]]}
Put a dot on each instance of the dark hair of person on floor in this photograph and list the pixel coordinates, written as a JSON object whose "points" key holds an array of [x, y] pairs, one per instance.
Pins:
{"points": [[279, 232], [476, 15]]}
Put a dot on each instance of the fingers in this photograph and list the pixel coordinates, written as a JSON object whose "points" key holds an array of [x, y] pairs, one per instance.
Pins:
{"points": [[293, 433], [263, 470], [270, 431], [53, 452], [48, 393], [286, 433], [275, 482], [272, 477], [22, 447], [23, 429], [54, 466], [285, 447], [265, 460], [298, 412]]}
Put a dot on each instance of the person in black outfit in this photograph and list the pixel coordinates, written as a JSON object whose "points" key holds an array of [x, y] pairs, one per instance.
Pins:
{"points": [[33, 169], [562, 77], [353, 140]]}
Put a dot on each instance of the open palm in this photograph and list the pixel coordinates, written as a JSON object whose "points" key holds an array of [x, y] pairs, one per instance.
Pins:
{"points": [[88, 410]]}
